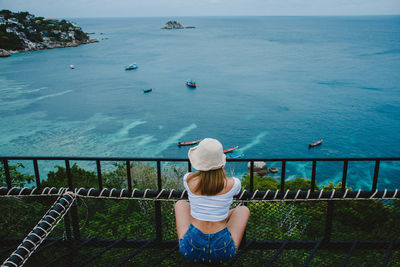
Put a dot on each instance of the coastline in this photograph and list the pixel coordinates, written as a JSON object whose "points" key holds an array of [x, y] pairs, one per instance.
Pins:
{"points": [[24, 32], [53, 46]]}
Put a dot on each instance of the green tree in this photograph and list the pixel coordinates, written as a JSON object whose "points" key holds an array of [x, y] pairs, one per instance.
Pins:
{"points": [[80, 178], [18, 179]]}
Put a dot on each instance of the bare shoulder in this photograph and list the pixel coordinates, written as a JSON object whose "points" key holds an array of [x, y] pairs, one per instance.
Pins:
{"points": [[192, 181], [230, 182]]}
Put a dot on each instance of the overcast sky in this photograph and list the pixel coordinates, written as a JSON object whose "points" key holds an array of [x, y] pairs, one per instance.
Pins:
{"points": [[144, 8]]}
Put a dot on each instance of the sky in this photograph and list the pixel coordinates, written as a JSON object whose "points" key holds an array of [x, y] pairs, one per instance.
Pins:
{"points": [[163, 8]]}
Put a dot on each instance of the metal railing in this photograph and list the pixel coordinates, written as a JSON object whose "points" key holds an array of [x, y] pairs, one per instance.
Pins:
{"points": [[328, 196]]}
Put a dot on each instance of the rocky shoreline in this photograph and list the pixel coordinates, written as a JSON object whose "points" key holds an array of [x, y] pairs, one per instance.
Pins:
{"points": [[23, 32], [8, 53]]}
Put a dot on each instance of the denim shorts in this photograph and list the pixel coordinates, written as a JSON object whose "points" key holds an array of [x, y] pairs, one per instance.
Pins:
{"points": [[208, 248]]}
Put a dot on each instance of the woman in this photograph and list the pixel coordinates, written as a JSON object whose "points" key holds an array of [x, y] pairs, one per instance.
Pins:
{"points": [[207, 230]]}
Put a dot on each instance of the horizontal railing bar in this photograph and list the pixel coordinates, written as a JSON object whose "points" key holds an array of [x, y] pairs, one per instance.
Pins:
{"points": [[299, 195], [186, 160], [258, 244]]}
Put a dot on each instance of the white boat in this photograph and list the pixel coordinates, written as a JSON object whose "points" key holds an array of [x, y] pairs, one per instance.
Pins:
{"points": [[72, 67], [132, 66]]}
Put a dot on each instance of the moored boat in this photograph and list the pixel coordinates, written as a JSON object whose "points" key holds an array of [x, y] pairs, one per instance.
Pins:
{"points": [[235, 156], [147, 90], [230, 149], [315, 143], [189, 143], [132, 66], [191, 83]]}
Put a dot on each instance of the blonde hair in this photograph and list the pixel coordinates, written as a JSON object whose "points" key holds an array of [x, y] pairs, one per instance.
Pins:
{"points": [[210, 182]]}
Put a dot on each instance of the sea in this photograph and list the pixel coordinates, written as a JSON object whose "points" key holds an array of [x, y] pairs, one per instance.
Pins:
{"points": [[270, 85]]}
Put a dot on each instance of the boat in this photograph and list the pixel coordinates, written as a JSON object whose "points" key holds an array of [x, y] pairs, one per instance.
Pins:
{"points": [[273, 170], [191, 83], [147, 90], [235, 156], [229, 150], [315, 143], [189, 143], [132, 66], [72, 67]]}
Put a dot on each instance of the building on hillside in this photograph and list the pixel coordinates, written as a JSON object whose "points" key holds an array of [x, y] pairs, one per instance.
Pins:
{"points": [[13, 20], [11, 30], [31, 29]]}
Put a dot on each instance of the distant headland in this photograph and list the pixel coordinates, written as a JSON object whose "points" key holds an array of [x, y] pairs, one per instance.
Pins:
{"points": [[22, 32], [172, 24]]}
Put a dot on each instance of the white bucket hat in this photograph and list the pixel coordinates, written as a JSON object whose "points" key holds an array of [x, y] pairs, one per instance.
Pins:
{"points": [[208, 155]]}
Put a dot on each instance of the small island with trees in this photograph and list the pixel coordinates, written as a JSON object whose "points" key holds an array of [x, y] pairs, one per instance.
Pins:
{"points": [[22, 32], [173, 24]]}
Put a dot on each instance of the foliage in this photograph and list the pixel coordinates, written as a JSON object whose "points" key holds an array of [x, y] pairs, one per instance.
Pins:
{"points": [[278, 220], [18, 179], [144, 175], [35, 28], [80, 178], [118, 219], [9, 40], [269, 183], [6, 13]]}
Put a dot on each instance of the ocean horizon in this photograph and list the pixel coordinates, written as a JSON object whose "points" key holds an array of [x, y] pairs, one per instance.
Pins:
{"points": [[268, 84]]}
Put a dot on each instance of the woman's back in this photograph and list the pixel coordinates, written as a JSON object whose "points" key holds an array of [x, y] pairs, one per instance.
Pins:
{"points": [[210, 212], [208, 231]]}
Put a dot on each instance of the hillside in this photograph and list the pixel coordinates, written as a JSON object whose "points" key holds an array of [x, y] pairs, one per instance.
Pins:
{"points": [[22, 31]]}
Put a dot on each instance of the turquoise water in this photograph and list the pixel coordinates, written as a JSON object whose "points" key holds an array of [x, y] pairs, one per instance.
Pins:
{"points": [[270, 85]]}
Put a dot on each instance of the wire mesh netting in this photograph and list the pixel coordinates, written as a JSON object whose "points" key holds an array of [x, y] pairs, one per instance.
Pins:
{"points": [[108, 229]]}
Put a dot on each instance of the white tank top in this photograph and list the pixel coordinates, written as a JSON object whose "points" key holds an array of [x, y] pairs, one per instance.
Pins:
{"points": [[211, 208]]}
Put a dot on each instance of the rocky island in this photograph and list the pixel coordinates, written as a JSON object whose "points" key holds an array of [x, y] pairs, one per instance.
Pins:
{"points": [[22, 32], [172, 24]]}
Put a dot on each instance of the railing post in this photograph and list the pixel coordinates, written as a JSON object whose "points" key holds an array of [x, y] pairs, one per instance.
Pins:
{"points": [[314, 167], [344, 177], [189, 167], [158, 204], [244, 239], [7, 173], [376, 173], [69, 176], [128, 175], [37, 177], [328, 222], [283, 175], [74, 210], [100, 181], [251, 175]]}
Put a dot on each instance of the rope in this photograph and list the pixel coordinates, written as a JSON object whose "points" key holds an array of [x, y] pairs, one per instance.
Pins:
{"points": [[29, 245], [173, 195]]}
